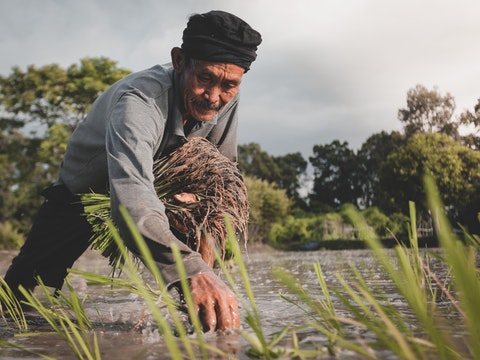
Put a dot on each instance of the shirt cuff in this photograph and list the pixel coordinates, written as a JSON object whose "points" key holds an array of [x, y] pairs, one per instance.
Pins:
{"points": [[193, 264]]}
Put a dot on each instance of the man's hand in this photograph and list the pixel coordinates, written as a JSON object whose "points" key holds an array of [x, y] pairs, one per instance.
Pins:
{"points": [[215, 304]]}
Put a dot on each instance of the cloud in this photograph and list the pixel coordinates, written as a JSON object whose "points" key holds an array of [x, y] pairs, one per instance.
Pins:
{"points": [[335, 69]]}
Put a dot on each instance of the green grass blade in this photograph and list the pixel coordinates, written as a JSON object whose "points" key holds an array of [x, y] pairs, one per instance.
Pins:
{"points": [[9, 305], [462, 260]]}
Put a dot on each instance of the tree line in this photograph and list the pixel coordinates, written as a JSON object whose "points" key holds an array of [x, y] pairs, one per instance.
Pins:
{"points": [[40, 107], [387, 171]]}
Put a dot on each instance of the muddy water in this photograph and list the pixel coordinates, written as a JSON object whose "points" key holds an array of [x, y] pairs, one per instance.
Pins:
{"points": [[123, 325]]}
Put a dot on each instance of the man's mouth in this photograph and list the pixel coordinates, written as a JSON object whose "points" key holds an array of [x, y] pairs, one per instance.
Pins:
{"points": [[206, 105]]}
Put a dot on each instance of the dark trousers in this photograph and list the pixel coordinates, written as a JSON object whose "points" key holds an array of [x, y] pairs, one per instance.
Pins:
{"points": [[59, 235]]}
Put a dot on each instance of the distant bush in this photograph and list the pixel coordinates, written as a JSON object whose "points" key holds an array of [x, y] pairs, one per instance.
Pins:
{"points": [[10, 238], [298, 230], [294, 231], [268, 205], [383, 225]]}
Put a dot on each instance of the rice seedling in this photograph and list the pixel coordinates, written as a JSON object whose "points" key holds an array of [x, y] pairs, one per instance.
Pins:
{"points": [[11, 307], [409, 279], [321, 312], [170, 335], [418, 333], [66, 316], [198, 168], [130, 268], [260, 346], [462, 260], [424, 337]]}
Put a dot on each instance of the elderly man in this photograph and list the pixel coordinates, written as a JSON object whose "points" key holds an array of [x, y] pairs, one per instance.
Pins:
{"points": [[139, 119]]}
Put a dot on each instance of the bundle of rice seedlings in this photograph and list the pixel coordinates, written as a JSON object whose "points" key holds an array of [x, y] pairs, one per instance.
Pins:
{"points": [[198, 168]]}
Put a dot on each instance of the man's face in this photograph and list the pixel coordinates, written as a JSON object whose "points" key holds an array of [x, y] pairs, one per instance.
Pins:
{"points": [[207, 87]]}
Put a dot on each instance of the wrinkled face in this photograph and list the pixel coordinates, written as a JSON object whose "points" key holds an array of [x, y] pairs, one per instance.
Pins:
{"points": [[207, 87]]}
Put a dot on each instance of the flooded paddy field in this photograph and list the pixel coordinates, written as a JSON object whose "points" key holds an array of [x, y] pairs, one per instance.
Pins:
{"points": [[125, 330]]}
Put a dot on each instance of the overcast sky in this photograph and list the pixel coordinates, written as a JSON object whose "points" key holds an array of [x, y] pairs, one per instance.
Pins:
{"points": [[326, 70]]}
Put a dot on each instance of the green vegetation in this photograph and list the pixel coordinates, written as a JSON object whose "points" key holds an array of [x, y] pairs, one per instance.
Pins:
{"points": [[293, 232], [268, 206], [222, 192], [10, 238], [419, 333], [40, 106], [354, 195]]}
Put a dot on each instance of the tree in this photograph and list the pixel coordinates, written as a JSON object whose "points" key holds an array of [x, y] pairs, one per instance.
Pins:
{"points": [[429, 111], [34, 96], [39, 109], [472, 119], [286, 171], [91, 77], [255, 162], [50, 94], [454, 167], [372, 154], [335, 176], [52, 148], [11, 140], [292, 169], [21, 178]]}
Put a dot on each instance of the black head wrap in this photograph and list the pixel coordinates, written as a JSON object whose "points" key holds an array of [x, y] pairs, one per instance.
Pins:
{"points": [[218, 36]]}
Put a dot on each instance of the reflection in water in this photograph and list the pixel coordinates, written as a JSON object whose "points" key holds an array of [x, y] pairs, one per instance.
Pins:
{"points": [[125, 331]]}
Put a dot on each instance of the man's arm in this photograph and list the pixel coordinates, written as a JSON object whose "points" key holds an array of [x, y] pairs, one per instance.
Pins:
{"points": [[134, 127]]}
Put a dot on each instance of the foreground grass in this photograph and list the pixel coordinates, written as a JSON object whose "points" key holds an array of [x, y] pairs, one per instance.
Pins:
{"points": [[420, 334]]}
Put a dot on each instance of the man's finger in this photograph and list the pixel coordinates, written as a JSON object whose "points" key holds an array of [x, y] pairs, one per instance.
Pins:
{"points": [[186, 198], [235, 314], [208, 317], [228, 316]]}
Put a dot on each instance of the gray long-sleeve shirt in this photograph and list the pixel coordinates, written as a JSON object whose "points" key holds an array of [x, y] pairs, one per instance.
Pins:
{"points": [[113, 149]]}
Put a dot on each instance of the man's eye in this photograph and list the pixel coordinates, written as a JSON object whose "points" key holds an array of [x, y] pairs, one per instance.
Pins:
{"points": [[204, 78], [229, 86]]}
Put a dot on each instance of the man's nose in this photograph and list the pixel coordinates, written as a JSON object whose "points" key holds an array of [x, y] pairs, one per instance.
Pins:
{"points": [[212, 94]]}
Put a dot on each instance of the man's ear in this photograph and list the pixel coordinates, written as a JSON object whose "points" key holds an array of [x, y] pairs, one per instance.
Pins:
{"points": [[178, 59]]}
